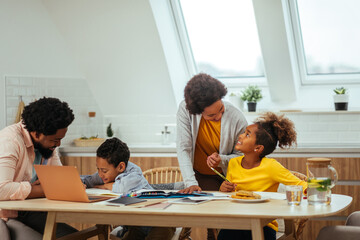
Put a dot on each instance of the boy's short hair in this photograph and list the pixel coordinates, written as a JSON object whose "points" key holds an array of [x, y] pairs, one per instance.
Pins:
{"points": [[114, 151]]}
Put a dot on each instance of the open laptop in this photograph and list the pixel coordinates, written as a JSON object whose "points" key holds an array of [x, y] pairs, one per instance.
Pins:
{"points": [[64, 183]]}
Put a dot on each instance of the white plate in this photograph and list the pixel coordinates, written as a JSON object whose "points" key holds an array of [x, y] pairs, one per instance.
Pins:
{"points": [[272, 195], [262, 199]]}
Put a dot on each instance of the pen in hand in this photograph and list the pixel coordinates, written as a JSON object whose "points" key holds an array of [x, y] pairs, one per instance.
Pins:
{"points": [[222, 176]]}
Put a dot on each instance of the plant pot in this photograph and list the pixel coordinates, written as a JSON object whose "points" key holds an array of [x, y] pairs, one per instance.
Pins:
{"points": [[251, 106], [341, 102], [237, 102]]}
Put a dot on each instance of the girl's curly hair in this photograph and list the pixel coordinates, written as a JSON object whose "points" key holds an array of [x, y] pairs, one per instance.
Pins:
{"points": [[114, 151], [47, 115], [274, 130], [201, 91]]}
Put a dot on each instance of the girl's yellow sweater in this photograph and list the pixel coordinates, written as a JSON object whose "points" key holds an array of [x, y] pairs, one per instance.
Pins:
{"points": [[264, 178]]}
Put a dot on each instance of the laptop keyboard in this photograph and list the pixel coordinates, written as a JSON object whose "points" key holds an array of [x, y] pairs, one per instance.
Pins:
{"points": [[95, 197]]}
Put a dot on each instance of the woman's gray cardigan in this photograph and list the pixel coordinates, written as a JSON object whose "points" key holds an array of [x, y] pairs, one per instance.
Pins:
{"points": [[233, 123]]}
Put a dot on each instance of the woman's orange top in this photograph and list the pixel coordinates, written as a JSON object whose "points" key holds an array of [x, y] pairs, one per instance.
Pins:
{"points": [[207, 142]]}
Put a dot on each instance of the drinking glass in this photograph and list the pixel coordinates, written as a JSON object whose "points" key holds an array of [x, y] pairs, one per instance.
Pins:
{"points": [[294, 194]]}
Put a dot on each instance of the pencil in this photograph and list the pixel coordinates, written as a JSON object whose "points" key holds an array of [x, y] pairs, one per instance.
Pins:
{"points": [[222, 176]]}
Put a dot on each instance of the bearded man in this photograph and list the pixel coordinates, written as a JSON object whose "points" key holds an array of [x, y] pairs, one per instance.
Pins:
{"points": [[34, 140]]}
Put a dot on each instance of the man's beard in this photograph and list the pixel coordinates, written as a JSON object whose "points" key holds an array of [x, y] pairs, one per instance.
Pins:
{"points": [[45, 152]]}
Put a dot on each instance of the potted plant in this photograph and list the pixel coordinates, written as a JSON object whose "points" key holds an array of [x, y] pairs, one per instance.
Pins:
{"points": [[109, 131], [341, 99], [251, 94], [236, 100]]}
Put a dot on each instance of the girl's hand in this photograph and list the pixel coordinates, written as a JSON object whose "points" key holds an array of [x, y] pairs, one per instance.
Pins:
{"points": [[213, 160], [227, 187], [190, 189]]}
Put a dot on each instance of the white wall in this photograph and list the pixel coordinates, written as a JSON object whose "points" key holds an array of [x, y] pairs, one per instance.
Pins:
{"points": [[71, 90], [117, 45], [30, 45], [114, 47]]}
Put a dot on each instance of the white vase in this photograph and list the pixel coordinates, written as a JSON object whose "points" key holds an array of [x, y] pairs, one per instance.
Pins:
{"points": [[341, 102], [237, 102]]}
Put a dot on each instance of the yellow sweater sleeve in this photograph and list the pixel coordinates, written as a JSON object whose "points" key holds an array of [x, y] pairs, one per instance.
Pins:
{"points": [[264, 178]]}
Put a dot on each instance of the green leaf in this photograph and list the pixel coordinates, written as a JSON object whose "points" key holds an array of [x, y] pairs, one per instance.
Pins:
{"points": [[251, 94], [340, 90], [109, 131]]}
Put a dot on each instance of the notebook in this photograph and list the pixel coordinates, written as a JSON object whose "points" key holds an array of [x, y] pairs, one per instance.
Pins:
{"points": [[163, 194], [125, 201], [63, 183]]}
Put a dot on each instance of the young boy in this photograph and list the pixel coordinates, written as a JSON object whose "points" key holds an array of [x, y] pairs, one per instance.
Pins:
{"points": [[117, 174]]}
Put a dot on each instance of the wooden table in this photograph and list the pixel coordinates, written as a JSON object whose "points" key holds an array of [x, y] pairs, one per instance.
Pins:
{"points": [[223, 214]]}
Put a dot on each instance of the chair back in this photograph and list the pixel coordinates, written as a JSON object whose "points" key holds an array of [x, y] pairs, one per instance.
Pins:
{"points": [[299, 175], [163, 175]]}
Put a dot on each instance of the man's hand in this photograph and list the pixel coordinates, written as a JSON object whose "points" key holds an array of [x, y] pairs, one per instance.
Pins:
{"points": [[37, 182], [227, 187], [213, 160], [191, 189], [36, 190]]}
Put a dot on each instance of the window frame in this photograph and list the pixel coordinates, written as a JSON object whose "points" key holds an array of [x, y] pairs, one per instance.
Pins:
{"points": [[313, 79], [189, 57]]}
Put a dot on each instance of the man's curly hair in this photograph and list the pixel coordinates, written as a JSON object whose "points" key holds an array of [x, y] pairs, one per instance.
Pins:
{"points": [[201, 91], [47, 115], [114, 151]]}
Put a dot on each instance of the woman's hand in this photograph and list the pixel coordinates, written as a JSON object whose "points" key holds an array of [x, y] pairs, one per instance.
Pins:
{"points": [[227, 187], [190, 189], [213, 160]]}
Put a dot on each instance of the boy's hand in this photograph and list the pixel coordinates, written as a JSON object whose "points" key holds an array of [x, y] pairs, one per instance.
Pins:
{"points": [[190, 189], [213, 160], [107, 186], [227, 187]]}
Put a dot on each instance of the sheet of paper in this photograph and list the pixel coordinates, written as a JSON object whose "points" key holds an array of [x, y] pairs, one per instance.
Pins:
{"points": [[273, 195], [101, 192], [190, 200]]}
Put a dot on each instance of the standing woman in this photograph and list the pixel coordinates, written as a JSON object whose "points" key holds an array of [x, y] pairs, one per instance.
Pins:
{"points": [[207, 128]]}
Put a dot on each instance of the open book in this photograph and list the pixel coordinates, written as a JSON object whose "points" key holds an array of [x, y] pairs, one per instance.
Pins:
{"points": [[101, 192], [163, 194]]}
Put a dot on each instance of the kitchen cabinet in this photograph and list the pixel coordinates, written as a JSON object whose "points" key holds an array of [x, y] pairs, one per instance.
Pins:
{"points": [[87, 165]]}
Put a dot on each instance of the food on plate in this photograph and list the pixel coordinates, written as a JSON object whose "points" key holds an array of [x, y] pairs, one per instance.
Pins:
{"points": [[242, 194], [93, 141], [89, 138]]}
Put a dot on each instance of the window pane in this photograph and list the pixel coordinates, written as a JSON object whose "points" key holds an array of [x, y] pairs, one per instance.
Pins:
{"points": [[330, 34], [223, 37]]}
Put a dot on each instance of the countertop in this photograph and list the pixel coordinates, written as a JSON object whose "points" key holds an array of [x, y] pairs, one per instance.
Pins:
{"points": [[302, 150]]}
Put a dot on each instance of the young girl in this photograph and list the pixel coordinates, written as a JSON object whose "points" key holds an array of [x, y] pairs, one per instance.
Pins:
{"points": [[254, 171]]}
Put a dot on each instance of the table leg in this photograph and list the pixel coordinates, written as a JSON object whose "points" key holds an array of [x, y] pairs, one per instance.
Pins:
{"points": [[50, 226], [257, 229], [103, 231]]}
